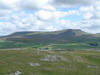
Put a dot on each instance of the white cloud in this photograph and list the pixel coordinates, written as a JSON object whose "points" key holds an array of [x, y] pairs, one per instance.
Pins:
{"points": [[71, 3], [32, 4], [44, 15], [49, 7], [3, 5], [87, 16], [87, 8], [4, 12], [33, 15], [7, 6]]}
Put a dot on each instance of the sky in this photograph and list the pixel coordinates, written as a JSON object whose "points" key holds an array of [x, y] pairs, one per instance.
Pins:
{"points": [[49, 15]]}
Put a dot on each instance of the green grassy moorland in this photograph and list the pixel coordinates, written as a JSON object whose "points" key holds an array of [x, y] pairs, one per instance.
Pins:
{"points": [[33, 62]]}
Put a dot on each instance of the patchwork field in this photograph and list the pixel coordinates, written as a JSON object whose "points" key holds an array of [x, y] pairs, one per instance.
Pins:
{"points": [[35, 62]]}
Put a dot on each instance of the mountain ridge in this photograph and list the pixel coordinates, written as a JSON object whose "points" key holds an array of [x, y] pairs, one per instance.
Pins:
{"points": [[45, 39], [47, 32]]}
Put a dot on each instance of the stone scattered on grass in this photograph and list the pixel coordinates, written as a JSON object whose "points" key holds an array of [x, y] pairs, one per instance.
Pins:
{"points": [[98, 50], [16, 73], [34, 64], [53, 58], [62, 58], [92, 66], [68, 67], [78, 59]]}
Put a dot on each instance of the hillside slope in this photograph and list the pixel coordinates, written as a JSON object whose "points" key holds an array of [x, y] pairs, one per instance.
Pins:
{"points": [[64, 39]]}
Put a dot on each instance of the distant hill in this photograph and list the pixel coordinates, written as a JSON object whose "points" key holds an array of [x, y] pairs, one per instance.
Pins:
{"points": [[64, 39]]}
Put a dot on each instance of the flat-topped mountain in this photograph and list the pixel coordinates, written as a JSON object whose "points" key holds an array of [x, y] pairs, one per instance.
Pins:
{"points": [[71, 37]]}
